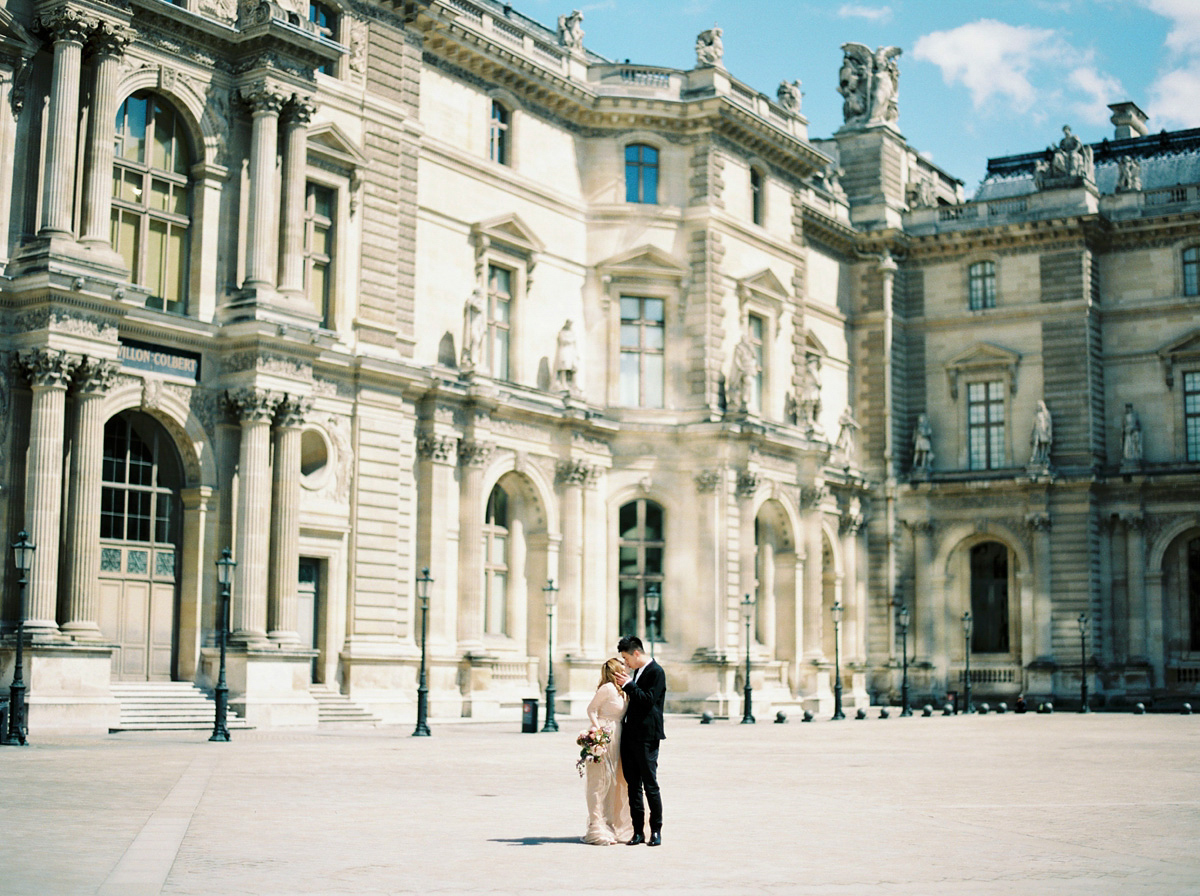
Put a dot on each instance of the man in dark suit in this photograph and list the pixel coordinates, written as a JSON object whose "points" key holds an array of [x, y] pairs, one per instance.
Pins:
{"points": [[646, 686]]}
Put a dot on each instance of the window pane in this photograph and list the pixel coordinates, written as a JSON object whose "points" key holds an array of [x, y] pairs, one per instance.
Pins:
{"points": [[627, 561], [131, 125], [131, 187], [175, 267], [501, 368], [1191, 272], [654, 558], [653, 309], [156, 252], [162, 523], [654, 336], [501, 280], [654, 380], [630, 384], [631, 308], [654, 522], [164, 138], [318, 288], [499, 550], [630, 335], [628, 520], [112, 513], [127, 239], [632, 181], [650, 185], [628, 599]]}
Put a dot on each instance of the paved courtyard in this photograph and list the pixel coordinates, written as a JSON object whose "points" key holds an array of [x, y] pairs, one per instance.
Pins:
{"points": [[1060, 804]]}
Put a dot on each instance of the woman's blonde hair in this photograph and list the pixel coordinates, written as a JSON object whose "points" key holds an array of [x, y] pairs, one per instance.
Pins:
{"points": [[608, 672]]}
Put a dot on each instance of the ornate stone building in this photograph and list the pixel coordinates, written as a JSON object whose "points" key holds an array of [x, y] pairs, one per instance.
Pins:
{"points": [[359, 288]]}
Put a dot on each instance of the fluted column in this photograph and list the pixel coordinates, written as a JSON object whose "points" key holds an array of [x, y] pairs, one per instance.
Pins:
{"points": [[108, 44], [572, 475], [927, 605], [1136, 550], [438, 533], [856, 609], [1043, 606], [296, 116], [472, 456], [709, 628], [49, 372], [283, 606], [255, 409], [261, 240], [93, 379], [814, 578]]}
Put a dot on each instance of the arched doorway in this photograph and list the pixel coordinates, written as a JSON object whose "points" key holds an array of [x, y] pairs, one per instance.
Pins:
{"points": [[1181, 585], [140, 517], [990, 630]]}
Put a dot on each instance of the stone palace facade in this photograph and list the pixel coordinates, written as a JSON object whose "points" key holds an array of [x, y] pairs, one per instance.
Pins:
{"points": [[358, 288]]}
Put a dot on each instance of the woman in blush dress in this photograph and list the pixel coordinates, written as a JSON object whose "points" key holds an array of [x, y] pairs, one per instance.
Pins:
{"points": [[607, 793]]}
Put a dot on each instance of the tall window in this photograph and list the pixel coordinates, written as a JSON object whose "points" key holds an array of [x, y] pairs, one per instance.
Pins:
{"points": [[499, 317], [985, 425], [981, 281], [137, 494], [643, 337], [326, 19], [318, 248], [495, 563], [989, 598], [1191, 271], [756, 327], [500, 148], [640, 563], [1191, 413], [641, 173], [756, 195], [151, 199]]}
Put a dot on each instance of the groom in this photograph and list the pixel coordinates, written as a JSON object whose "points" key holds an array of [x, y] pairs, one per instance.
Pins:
{"points": [[646, 686]]}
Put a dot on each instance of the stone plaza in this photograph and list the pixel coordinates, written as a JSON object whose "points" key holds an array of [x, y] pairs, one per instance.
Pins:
{"points": [[993, 804]]}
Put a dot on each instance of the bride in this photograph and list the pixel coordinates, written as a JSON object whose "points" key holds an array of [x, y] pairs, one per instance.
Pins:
{"points": [[607, 794]]}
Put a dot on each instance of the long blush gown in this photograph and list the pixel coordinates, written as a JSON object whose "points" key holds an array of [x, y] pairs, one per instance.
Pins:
{"points": [[607, 794]]}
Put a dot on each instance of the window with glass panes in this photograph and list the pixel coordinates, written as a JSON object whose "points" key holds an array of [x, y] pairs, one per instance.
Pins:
{"points": [[756, 327], [641, 545], [641, 173], [318, 248], [1191, 271], [495, 563], [981, 281], [756, 195], [985, 425], [643, 338], [326, 19], [499, 133], [1191, 414], [989, 598], [151, 205], [136, 498], [499, 318]]}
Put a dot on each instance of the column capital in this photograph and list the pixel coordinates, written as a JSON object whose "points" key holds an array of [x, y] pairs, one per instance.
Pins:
{"points": [[291, 411], [436, 448], [298, 110], [574, 472], [707, 481], [812, 497], [94, 376], [747, 483], [251, 405], [65, 24], [47, 367], [262, 98], [110, 39], [474, 454], [1038, 522]]}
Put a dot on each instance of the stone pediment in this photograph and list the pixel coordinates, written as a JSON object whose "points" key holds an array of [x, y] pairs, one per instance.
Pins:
{"points": [[764, 281], [330, 141], [509, 230], [982, 358], [1185, 350], [647, 262]]}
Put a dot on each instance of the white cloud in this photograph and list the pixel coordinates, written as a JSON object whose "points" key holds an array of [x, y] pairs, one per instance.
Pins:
{"points": [[1175, 99], [1098, 91], [1184, 36], [870, 13]]}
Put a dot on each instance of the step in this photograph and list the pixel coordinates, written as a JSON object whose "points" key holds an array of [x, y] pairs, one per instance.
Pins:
{"points": [[167, 706], [335, 708]]}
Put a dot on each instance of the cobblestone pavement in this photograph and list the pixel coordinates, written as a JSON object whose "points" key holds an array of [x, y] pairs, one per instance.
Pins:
{"points": [[1060, 804]]}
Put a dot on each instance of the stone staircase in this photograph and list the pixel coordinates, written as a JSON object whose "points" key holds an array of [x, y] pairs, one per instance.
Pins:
{"points": [[167, 706], [335, 708]]}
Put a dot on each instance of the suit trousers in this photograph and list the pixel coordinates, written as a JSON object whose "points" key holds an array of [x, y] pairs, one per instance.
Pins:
{"points": [[640, 761]]}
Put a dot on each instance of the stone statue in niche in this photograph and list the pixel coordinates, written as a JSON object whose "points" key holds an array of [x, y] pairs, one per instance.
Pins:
{"points": [[789, 96], [566, 360], [570, 30], [1129, 175], [922, 461], [1067, 164], [869, 84], [1042, 437], [709, 48], [742, 372], [809, 402], [1131, 437], [919, 194], [474, 329], [847, 440]]}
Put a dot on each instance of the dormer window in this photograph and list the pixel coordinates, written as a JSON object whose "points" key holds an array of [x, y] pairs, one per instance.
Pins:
{"points": [[641, 174]]}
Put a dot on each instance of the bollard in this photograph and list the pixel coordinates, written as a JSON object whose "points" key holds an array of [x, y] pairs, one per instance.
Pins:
{"points": [[948, 709], [807, 717], [983, 709], [861, 714], [1001, 707], [1186, 709], [781, 718], [883, 713], [706, 718], [926, 711], [1139, 709]]}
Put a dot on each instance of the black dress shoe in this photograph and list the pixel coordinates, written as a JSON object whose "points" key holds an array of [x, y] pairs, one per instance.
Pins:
{"points": [[635, 840], [655, 838]]}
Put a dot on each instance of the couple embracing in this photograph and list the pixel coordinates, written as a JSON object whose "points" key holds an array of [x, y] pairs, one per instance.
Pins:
{"points": [[629, 704]]}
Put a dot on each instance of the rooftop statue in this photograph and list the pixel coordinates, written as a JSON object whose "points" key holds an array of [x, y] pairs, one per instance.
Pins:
{"points": [[1129, 175], [869, 84], [789, 95], [709, 48], [1066, 164], [570, 30]]}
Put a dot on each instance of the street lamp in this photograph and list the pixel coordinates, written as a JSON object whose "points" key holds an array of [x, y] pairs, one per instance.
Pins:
{"points": [[1083, 697], [551, 593], [748, 615], [966, 624], [225, 565], [653, 602], [836, 610], [23, 550], [905, 709], [424, 581]]}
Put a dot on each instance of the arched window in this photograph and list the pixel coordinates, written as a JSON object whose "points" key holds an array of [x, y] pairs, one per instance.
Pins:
{"points": [[989, 598], [641, 174], [1191, 271], [140, 477], [495, 563], [981, 283], [500, 140], [151, 209], [757, 196], [641, 544], [325, 17]]}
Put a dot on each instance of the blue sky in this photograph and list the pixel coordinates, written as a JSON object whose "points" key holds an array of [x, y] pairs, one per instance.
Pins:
{"points": [[977, 79]]}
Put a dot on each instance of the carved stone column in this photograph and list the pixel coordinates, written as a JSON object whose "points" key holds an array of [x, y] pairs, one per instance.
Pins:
{"points": [[296, 116], [255, 409], [472, 456], [814, 576], [1043, 646], [108, 44], [438, 533], [49, 372], [68, 29], [572, 475], [710, 626], [855, 643], [261, 239], [927, 605], [747, 485], [93, 379], [283, 605], [1135, 545]]}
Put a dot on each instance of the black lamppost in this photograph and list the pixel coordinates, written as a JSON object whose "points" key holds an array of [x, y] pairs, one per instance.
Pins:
{"points": [[905, 709], [966, 623], [551, 593], [225, 565], [23, 550], [424, 581], [1083, 698], [836, 610], [653, 602], [748, 615]]}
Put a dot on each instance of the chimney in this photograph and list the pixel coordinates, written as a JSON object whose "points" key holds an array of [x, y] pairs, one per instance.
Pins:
{"points": [[1129, 119]]}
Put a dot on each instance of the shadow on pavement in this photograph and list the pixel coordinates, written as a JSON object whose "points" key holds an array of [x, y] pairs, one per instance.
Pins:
{"points": [[538, 841]]}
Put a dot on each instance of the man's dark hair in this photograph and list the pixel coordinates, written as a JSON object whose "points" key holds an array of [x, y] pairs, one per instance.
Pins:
{"points": [[629, 644]]}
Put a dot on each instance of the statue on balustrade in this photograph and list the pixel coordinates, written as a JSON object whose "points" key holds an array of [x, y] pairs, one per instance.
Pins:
{"points": [[709, 48], [869, 84], [570, 30]]}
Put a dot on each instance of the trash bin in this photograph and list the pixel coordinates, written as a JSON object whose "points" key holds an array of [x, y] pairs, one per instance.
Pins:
{"points": [[529, 714]]}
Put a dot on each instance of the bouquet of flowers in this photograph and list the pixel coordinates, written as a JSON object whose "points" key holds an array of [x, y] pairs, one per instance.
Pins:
{"points": [[593, 745]]}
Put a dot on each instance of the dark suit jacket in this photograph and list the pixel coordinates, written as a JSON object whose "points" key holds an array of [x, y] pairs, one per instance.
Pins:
{"points": [[644, 715]]}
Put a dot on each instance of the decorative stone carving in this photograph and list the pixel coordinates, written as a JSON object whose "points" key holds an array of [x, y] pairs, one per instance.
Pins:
{"points": [[566, 360], [869, 84], [440, 449], [474, 454], [570, 30], [852, 519], [260, 98], [1038, 522], [1131, 437], [109, 39], [747, 483], [360, 36], [1129, 175], [739, 387], [789, 96], [47, 366], [813, 496], [1068, 164], [922, 459], [808, 404], [292, 410], [847, 440], [709, 48], [252, 405], [1042, 437], [298, 109], [920, 194], [707, 481], [573, 472], [474, 330], [65, 23], [152, 392]]}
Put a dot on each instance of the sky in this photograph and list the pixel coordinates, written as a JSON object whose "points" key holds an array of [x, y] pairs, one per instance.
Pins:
{"points": [[977, 79]]}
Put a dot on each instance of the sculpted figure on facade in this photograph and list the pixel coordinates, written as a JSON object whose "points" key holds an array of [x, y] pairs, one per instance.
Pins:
{"points": [[1069, 161], [789, 96], [739, 386], [920, 194], [809, 402], [1042, 437], [570, 30], [709, 48], [1131, 436], [922, 461], [847, 440], [474, 329], [566, 360], [869, 84], [1129, 175]]}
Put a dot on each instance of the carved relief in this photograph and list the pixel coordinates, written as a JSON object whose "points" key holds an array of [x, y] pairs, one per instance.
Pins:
{"points": [[707, 481], [110, 39], [474, 454], [338, 487], [95, 376], [1038, 522], [709, 48], [869, 84], [812, 497], [573, 472], [789, 96], [47, 367], [359, 43], [747, 483], [252, 405], [292, 410], [440, 449], [65, 23]]}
